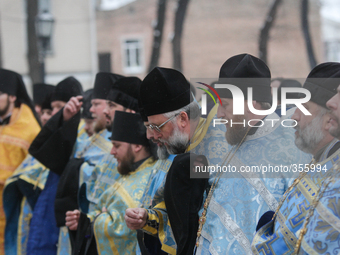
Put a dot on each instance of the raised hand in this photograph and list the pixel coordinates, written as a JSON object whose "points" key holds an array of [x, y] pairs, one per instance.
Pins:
{"points": [[72, 107]]}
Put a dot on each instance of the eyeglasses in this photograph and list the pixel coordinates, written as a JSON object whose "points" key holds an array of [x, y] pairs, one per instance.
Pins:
{"points": [[158, 128]]}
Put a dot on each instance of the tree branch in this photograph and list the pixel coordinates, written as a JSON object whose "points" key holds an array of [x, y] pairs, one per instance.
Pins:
{"points": [[264, 32], [158, 34], [306, 33], [176, 42]]}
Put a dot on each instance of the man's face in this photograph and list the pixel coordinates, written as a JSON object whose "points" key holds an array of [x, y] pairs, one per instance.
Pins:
{"points": [[309, 129], [170, 136], [123, 153], [97, 110], [4, 104], [89, 126], [46, 114], [162, 152], [56, 106], [109, 112], [235, 132], [333, 105], [37, 109]]}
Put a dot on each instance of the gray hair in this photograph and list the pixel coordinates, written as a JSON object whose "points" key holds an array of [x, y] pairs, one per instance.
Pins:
{"points": [[192, 109]]}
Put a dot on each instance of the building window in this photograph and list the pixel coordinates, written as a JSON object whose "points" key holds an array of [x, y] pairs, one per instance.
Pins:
{"points": [[332, 51], [132, 56], [104, 61]]}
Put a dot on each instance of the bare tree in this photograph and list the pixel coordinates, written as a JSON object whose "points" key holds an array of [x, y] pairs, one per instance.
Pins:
{"points": [[264, 33], [306, 33], [176, 42], [34, 65], [158, 34]]}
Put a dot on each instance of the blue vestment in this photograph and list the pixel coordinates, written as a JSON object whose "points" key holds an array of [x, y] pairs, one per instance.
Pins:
{"points": [[281, 235], [240, 197]]}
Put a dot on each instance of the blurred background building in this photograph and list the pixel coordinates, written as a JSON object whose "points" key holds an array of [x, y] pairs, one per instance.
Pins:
{"points": [[122, 35], [72, 46]]}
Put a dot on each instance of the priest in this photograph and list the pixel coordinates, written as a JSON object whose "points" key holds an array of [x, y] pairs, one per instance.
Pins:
{"points": [[281, 231], [19, 125]]}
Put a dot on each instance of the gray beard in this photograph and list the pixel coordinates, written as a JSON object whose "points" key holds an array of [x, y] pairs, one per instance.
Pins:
{"points": [[310, 136], [177, 142], [162, 152]]}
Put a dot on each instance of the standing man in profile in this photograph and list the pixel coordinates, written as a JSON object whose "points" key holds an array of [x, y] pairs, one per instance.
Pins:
{"points": [[280, 232], [174, 122], [21, 192], [19, 125], [135, 164], [237, 199]]}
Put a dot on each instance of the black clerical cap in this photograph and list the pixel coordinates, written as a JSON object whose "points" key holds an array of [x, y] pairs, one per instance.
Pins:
{"points": [[67, 88], [129, 128], [86, 114], [11, 83], [103, 83], [164, 90], [125, 92], [40, 91], [46, 104], [289, 83], [141, 111], [322, 82], [245, 71]]}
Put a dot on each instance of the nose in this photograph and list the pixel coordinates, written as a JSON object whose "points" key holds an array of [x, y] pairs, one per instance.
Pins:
{"points": [[220, 112], [331, 103], [113, 151], [156, 135], [296, 115], [91, 109], [106, 111], [149, 133]]}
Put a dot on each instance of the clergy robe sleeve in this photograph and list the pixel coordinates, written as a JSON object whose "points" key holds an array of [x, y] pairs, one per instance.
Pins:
{"points": [[67, 192], [158, 224], [183, 198], [84, 242], [54, 144]]}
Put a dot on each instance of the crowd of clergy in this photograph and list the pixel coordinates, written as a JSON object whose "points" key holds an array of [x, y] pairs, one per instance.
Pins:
{"points": [[113, 170]]}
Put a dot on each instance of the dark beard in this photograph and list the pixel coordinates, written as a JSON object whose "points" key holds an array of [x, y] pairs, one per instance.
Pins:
{"points": [[4, 110], [109, 127], [235, 135], [98, 127], [126, 164]]}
